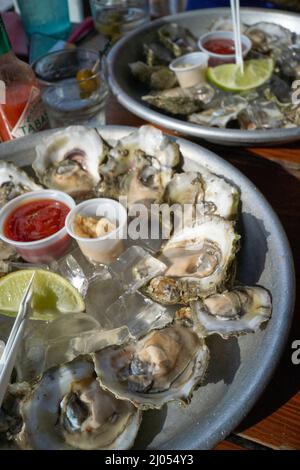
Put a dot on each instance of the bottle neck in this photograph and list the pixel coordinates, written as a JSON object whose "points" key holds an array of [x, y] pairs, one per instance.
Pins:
{"points": [[5, 46]]}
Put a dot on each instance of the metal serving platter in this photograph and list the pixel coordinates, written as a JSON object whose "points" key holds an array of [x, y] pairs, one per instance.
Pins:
{"points": [[129, 92], [239, 368]]}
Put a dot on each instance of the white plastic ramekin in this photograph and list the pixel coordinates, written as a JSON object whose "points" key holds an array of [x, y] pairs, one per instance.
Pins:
{"points": [[102, 249], [190, 69]]}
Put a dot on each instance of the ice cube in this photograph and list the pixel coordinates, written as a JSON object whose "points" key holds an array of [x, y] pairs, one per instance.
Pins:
{"points": [[135, 267], [71, 270], [138, 313], [70, 325], [31, 356], [102, 292], [47, 345]]}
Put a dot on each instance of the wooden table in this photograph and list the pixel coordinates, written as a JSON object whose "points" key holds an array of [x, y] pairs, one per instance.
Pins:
{"points": [[274, 422]]}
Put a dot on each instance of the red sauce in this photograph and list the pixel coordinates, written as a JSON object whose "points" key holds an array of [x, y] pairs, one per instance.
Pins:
{"points": [[221, 46], [35, 220]]}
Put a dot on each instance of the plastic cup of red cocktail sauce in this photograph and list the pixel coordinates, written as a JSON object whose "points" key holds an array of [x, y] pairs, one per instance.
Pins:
{"points": [[50, 247], [222, 37]]}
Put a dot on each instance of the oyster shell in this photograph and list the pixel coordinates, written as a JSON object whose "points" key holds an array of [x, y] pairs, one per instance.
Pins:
{"points": [[219, 115], [163, 366], [289, 62], [14, 182], [178, 39], [7, 254], [199, 258], [206, 192], [157, 54], [292, 114], [185, 188], [67, 409], [261, 115], [224, 24], [68, 160], [221, 197], [269, 37], [241, 310], [181, 101], [172, 103], [140, 166], [10, 418], [157, 77]]}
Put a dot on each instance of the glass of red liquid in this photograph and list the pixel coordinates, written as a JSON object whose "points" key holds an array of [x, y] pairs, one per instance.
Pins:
{"points": [[219, 45]]}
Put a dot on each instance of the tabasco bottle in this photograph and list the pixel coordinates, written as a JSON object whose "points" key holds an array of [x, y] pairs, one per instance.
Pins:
{"points": [[21, 109]]}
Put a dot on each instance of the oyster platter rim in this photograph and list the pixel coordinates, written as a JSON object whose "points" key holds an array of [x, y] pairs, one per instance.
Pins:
{"points": [[212, 134], [224, 420]]}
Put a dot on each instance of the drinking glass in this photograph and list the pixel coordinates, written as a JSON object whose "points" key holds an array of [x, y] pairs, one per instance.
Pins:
{"points": [[167, 7], [71, 96], [46, 17], [114, 18]]}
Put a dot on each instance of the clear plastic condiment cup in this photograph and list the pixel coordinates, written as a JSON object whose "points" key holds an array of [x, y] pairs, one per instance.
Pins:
{"points": [[190, 69], [102, 249], [47, 249]]}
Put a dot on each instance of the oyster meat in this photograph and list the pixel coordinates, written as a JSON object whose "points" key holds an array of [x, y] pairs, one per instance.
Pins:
{"points": [[200, 261], [163, 366], [241, 310], [68, 160], [67, 409]]}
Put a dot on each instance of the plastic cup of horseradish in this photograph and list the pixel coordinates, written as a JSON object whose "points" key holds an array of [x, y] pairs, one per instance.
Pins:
{"points": [[103, 249], [190, 69]]}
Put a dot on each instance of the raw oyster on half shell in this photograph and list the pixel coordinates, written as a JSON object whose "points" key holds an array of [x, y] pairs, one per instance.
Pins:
{"points": [[206, 192], [67, 409], [139, 167], [241, 310], [163, 366], [177, 39], [200, 260], [158, 77], [69, 159]]}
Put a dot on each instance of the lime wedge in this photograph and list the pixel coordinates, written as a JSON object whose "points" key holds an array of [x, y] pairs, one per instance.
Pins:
{"points": [[52, 294], [228, 77]]}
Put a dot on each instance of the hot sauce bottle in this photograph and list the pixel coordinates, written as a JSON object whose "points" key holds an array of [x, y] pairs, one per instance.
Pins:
{"points": [[21, 108]]}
